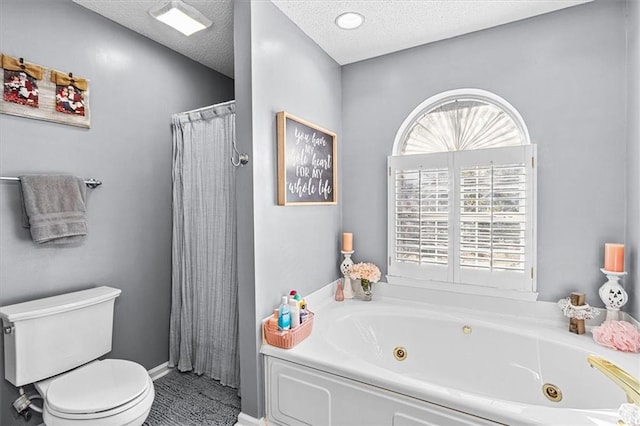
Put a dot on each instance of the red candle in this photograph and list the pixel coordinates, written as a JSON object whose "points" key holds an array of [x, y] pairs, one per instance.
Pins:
{"points": [[614, 257], [347, 241]]}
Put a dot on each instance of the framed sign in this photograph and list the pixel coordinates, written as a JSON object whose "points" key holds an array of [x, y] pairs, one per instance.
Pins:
{"points": [[307, 169]]}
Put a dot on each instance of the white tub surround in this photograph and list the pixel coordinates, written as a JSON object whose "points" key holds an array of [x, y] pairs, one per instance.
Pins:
{"points": [[483, 362]]}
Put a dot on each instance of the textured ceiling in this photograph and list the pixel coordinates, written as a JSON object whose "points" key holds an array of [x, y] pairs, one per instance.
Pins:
{"points": [[390, 25], [212, 47]]}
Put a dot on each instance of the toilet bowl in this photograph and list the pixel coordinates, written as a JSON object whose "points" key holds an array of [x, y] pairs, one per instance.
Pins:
{"points": [[108, 392], [56, 343]]}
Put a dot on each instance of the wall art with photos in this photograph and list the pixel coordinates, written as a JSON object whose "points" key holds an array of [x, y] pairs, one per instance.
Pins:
{"points": [[307, 169], [34, 91]]}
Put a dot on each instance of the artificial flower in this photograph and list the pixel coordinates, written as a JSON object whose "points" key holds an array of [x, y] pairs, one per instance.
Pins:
{"points": [[365, 271]]}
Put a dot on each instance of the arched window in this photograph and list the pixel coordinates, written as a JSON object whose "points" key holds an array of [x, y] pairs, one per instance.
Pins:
{"points": [[462, 197], [460, 120]]}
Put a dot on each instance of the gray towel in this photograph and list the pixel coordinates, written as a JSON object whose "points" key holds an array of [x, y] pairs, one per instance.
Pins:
{"points": [[54, 208]]}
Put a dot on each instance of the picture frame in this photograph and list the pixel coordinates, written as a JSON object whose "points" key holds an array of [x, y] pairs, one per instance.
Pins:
{"points": [[307, 162], [52, 96]]}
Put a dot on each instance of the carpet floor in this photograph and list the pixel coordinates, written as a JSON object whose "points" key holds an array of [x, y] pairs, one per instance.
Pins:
{"points": [[186, 399]]}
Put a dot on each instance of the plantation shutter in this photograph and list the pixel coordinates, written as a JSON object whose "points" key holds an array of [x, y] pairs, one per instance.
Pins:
{"points": [[492, 216], [495, 235], [464, 217], [419, 188]]}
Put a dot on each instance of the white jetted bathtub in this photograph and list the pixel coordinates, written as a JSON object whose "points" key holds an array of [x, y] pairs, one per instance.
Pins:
{"points": [[460, 366]]}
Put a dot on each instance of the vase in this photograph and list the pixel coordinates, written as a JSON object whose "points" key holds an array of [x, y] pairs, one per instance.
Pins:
{"points": [[339, 292], [366, 288]]}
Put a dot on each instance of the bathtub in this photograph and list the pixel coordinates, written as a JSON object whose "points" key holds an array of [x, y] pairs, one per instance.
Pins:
{"points": [[460, 366]]}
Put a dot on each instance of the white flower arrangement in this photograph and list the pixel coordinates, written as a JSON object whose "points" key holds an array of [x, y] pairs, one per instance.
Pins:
{"points": [[366, 272]]}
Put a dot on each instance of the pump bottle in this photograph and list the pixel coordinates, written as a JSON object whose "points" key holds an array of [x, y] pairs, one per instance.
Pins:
{"points": [[284, 318], [294, 309]]}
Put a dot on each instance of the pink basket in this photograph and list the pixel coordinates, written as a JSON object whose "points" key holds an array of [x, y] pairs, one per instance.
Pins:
{"points": [[287, 339]]}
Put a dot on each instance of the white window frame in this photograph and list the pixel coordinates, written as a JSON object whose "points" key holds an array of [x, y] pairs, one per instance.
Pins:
{"points": [[453, 277]]}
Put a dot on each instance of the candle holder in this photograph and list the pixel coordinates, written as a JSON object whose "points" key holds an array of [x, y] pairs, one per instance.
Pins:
{"points": [[613, 294], [345, 267]]}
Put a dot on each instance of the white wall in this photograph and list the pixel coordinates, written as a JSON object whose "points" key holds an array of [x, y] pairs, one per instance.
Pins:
{"points": [[291, 247]]}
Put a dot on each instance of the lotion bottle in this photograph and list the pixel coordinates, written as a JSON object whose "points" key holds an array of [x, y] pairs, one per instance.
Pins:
{"points": [[294, 310], [284, 318]]}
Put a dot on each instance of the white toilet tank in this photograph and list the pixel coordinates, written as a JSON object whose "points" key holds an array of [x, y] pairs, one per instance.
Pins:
{"points": [[46, 337]]}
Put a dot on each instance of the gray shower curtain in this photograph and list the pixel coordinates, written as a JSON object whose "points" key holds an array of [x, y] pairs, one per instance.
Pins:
{"points": [[204, 311]]}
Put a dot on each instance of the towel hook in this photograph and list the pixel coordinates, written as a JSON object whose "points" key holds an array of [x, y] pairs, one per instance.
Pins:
{"points": [[242, 159], [92, 183]]}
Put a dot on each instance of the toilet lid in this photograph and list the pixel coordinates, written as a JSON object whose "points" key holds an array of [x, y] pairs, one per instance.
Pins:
{"points": [[98, 386]]}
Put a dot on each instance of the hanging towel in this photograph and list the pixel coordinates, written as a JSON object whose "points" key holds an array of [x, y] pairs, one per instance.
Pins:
{"points": [[54, 208]]}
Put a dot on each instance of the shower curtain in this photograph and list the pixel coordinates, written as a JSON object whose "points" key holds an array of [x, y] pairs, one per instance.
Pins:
{"points": [[204, 311]]}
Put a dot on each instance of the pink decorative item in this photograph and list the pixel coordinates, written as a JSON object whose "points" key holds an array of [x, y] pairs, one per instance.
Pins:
{"points": [[339, 292], [619, 335]]}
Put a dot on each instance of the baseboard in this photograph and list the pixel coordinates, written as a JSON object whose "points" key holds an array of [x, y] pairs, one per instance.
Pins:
{"points": [[159, 371], [246, 420]]}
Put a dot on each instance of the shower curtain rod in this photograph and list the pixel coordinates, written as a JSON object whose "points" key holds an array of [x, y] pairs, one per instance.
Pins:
{"points": [[243, 158], [209, 106]]}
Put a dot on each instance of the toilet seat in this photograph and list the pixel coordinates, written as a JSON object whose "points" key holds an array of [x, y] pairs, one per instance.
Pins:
{"points": [[96, 390]]}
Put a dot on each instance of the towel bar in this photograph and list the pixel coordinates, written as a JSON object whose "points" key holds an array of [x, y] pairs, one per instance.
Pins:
{"points": [[91, 183]]}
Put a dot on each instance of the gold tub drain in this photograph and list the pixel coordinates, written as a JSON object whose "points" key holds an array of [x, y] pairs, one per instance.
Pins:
{"points": [[552, 392], [400, 353]]}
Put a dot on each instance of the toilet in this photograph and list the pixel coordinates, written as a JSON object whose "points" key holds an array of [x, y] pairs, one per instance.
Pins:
{"points": [[54, 343]]}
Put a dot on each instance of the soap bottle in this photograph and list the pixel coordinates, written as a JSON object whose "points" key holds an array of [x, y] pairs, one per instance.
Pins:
{"points": [[295, 295], [272, 322], [304, 312], [284, 317], [298, 298], [294, 310]]}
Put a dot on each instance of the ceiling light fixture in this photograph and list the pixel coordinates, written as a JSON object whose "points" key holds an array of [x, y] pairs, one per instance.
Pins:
{"points": [[181, 16], [349, 20]]}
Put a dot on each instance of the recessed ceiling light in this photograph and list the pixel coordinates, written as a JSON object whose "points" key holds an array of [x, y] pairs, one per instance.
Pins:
{"points": [[349, 20], [181, 16]]}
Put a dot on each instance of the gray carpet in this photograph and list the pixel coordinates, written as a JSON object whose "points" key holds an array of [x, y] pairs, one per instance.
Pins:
{"points": [[186, 399]]}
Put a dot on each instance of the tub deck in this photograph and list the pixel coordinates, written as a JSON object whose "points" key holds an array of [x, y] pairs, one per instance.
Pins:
{"points": [[489, 365]]}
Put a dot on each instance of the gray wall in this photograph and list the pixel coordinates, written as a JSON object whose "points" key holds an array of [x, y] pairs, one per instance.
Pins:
{"points": [[566, 74], [135, 86], [249, 359], [293, 246], [632, 283]]}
